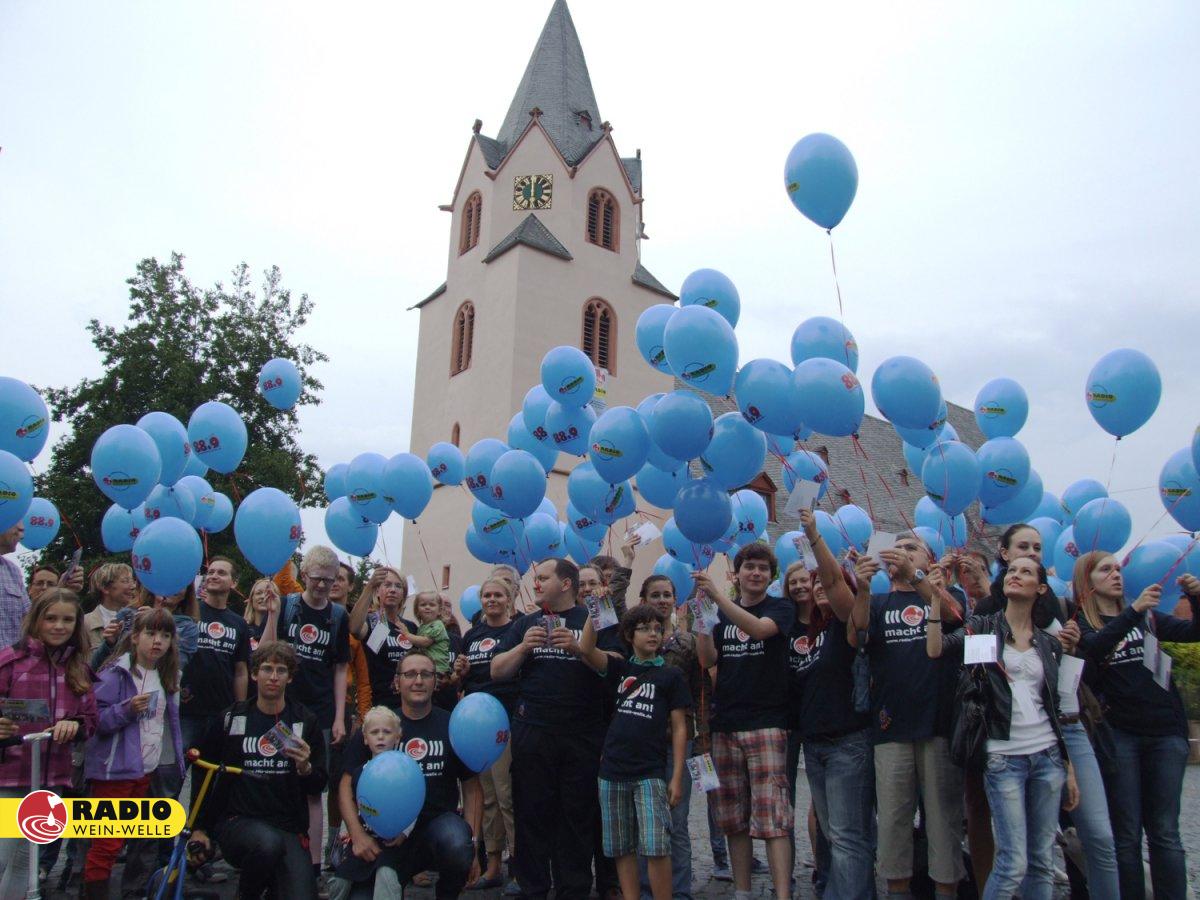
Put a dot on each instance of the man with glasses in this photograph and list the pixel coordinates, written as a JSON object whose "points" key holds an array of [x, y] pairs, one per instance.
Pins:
{"points": [[259, 818], [442, 841], [318, 630]]}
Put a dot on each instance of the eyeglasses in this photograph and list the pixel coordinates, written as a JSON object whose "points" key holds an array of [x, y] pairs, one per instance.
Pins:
{"points": [[312, 579], [420, 673], [272, 671], [651, 629]]}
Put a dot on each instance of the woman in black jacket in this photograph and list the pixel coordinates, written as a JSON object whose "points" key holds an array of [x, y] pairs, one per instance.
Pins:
{"points": [[1027, 761]]}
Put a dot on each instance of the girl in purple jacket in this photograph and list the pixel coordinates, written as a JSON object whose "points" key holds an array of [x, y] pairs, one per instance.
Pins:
{"points": [[138, 731], [47, 675]]}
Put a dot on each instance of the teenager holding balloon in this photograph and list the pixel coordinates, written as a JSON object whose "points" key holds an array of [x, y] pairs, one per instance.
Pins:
{"points": [[1150, 731]]}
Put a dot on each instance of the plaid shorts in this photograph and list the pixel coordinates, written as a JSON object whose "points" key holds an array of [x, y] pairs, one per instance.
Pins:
{"points": [[635, 817], [754, 792]]}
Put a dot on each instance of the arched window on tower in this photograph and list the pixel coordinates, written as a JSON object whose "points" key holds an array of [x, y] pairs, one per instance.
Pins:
{"points": [[600, 334], [602, 219], [472, 211], [455, 434], [464, 329]]}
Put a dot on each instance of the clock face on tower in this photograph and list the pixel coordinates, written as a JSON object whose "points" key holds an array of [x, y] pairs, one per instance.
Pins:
{"points": [[532, 191]]}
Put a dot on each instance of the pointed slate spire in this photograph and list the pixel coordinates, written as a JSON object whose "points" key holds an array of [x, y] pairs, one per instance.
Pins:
{"points": [[556, 82]]}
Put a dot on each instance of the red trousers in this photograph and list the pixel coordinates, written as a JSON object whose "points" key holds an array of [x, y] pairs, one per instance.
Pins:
{"points": [[102, 852]]}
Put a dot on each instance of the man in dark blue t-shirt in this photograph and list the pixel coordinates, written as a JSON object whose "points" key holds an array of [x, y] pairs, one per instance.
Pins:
{"points": [[557, 736]]}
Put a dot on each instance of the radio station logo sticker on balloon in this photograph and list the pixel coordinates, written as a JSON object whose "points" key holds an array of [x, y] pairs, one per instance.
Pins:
{"points": [[43, 816], [120, 481], [1099, 397], [607, 449], [31, 426], [1002, 477], [991, 410], [697, 373], [570, 385]]}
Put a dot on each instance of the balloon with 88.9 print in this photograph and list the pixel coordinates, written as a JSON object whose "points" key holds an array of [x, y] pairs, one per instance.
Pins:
{"points": [[218, 436]]}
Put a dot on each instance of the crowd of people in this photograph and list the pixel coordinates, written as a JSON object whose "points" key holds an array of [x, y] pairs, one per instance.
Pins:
{"points": [[961, 709]]}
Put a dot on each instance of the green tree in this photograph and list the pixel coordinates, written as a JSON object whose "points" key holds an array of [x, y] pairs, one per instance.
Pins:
{"points": [[182, 346]]}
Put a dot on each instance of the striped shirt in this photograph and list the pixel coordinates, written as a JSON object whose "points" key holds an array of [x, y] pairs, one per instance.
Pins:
{"points": [[14, 602]]}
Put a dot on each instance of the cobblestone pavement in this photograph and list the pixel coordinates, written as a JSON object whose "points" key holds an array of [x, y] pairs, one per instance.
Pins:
{"points": [[703, 883]]}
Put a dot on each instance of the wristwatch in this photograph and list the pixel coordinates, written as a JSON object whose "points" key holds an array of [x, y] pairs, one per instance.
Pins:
{"points": [[918, 577]]}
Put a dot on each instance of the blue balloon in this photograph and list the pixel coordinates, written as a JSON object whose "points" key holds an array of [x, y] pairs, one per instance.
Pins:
{"points": [[855, 525], [821, 179], [1077, 495], [825, 338], [659, 487], [914, 459], [588, 492], [952, 530], [1005, 465], [533, 411], [681, 424], [1001, 408], [279, 382], [406, 480], [446, 464], [194, 466], [497, 528], [649, 335], [933, 540], [469, 603], [117, 529], [1102, 524], [710, 288], [725, 542], [365, 488], [1179, 489], [218, 436], [781, 445], [1061, 588], [518, 483], [831, 399], [702, 510], [480, 459], [786, 553], [335, 481], [24, 419], [547, 508], [736, 453], [618, 444], [921, 439], [481, 549], [267, 529], [569, 427], [16, 490], [591, 529], [479, 730], [171, 438], [543, 537], [568, 377], [625, 503], [41, 523], [1050, 507], [679, 573], [1065, 554], [696, 556], [170, 503], [202, 493], [519, 438], [1155, 562], [804, 465], [580, 548], [906, 392], [125, 465], [1020, 507], [1123, 390], [220, 516], [749, 514], [831, 532], [350, 531], [1049, 529], [702, 349], [166, 556], [391, 792], [655, 455], [880, 583], [951, 476]]}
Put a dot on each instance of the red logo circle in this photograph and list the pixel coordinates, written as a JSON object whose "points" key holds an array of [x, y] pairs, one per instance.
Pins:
{"points": [[266, 747], [416, 748], [801, 645], [308, 633], [627, 683], [216, 630], [913, 615], [42, 816], [404, 643], [742, 636], [253, 644], [487, 644]]}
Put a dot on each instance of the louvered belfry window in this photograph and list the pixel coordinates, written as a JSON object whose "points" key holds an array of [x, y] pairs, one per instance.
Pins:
{"points": [[602, 219], [600, 334], [470, 223], [464, 329]]}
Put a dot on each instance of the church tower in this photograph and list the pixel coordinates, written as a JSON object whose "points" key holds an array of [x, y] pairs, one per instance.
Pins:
{"points": [[545, 249]]}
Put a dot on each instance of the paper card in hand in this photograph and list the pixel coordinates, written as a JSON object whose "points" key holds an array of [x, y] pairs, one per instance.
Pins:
{"points": [[601, 610], [703, 772], [804, 496], [25, 710]]}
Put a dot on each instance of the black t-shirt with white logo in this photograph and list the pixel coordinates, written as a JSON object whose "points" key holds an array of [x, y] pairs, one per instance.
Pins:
{"points": [[318, 651], [825, 703], [801, 656], [223, 642], [384, 655], [638, 741], [752, 675], [427, 741], [479, 645], [557, 690]]}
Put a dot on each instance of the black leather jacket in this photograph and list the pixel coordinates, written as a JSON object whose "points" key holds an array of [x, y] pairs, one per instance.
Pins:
{"points": [[999, 712]]}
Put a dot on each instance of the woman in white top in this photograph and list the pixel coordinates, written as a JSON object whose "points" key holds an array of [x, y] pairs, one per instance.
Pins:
{"points": [[1027, 761]]}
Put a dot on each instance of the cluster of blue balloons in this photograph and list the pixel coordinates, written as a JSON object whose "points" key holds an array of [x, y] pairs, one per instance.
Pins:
{"points": [[365, 492]]}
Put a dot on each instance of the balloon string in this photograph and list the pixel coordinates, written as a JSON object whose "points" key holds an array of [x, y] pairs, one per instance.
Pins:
{"points": [[71, 528], [1142, 539], [386, 557], [838, 288], [425, 552], [1112, 464], [300, 481]]}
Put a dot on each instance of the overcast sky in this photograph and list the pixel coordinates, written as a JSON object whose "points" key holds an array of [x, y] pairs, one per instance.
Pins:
{"points": [[1028, 196]]}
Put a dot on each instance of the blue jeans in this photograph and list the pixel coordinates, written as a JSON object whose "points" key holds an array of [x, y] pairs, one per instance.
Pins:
{"points": [[1090, 817], [1024, 793], [841, 779], [681, 840], [1144, 788]]}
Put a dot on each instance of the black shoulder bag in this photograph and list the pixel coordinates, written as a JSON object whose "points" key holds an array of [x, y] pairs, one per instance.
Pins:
{"points": [[972, 697]]}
